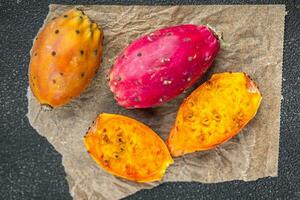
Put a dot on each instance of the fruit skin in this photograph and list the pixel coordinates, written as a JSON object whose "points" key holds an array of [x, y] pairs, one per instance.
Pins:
{"points": [[127, 148], [215, 112], [64, 58], [158, 66]]}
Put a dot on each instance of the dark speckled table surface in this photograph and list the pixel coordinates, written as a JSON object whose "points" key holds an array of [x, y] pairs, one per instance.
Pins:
{"points": [[30, 168]]}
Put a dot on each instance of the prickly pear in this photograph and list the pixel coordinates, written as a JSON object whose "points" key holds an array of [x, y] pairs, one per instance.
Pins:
{"points": [[65, 57], [215, 112], [158, 66], [117, 143]]}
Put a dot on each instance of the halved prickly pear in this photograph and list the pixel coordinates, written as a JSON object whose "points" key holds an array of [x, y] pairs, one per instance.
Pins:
{"points": [[65, 57], [215, 112], [127, 148], [158, 66]]}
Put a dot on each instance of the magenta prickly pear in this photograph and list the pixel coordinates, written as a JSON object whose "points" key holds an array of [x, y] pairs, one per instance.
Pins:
{"points": [[158, 66]]}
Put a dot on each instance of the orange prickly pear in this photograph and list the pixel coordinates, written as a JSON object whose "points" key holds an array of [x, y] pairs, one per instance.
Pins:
{"points": [[215, 112], [127, 148], [64, 58]]}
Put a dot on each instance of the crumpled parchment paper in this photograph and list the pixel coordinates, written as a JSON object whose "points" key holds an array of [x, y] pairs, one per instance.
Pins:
{"points": [[254, 37]]}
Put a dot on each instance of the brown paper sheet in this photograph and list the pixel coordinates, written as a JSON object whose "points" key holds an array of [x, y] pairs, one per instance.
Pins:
{"points": [[254, 35]]}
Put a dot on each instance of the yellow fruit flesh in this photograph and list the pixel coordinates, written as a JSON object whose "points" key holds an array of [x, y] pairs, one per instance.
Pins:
{"points": [[127, 148], [215, 112]]}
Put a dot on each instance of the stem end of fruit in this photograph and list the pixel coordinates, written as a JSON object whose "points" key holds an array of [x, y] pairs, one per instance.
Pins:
{"points": [[218, 35], [46, 107]]}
